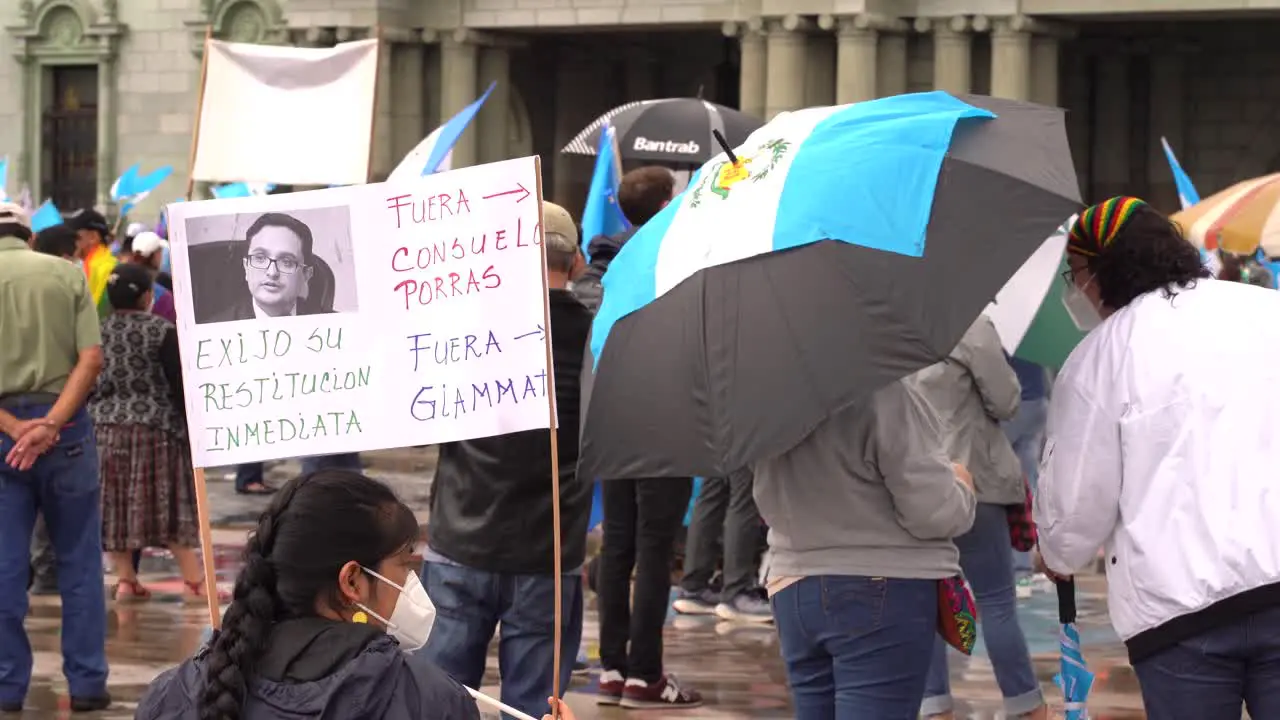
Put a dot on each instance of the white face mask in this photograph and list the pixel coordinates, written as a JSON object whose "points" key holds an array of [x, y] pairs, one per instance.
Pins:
{"points": [[414, 615], [1080, 308]]}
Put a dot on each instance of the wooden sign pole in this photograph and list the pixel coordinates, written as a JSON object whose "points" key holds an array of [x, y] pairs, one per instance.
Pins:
{"points": [[201, 488], [558, 560]]}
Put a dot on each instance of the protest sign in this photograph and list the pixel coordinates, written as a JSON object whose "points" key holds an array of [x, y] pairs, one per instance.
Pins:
{"points": [[363, 317], [279, 114]]}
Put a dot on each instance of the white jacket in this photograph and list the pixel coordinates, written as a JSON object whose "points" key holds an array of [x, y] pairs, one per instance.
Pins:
{"points": [[1163, 446]]}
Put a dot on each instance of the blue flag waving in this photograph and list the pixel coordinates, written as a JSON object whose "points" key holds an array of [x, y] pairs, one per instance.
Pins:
{"points": [[602, 214], [1187, 194]]}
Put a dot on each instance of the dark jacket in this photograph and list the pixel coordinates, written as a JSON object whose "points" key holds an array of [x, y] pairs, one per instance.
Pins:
{"points": [[317, 668], [491, 499], [602, 249]]}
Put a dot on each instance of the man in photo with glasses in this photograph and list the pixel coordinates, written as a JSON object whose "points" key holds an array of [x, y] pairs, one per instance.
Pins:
{"points": [[278, 267]]}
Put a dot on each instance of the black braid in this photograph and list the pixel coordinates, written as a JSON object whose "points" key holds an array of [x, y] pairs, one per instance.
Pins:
{"points": [[254, 609]]}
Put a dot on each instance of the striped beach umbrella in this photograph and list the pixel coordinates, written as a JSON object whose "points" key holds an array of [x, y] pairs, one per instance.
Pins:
{"points": [[1238, 220]]}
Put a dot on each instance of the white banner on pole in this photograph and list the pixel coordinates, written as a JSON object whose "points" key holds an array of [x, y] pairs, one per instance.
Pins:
{"points": [[362, 317], [300, 116]]}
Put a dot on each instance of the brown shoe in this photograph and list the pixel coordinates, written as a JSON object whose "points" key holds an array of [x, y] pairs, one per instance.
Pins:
{"points": [[665, 693]]}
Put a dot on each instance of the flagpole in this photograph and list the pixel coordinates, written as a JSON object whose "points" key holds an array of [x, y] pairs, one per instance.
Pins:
{"points": [[377, 82], [203, 516], [195, 133]]}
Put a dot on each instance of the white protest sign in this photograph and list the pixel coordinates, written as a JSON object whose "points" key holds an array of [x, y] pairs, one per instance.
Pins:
{"points": [[362, 317]]}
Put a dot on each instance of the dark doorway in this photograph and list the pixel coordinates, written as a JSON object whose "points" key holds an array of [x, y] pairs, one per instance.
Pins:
{"points": [[69, 171]]}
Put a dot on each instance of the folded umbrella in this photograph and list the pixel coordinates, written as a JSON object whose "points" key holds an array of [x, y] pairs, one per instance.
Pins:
{"points": [[1074, 677], [839, 250], [670, 130]]}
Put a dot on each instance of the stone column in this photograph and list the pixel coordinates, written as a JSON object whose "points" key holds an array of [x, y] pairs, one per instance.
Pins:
{"points": [[1111, 122], [408, 126], [1168, 121], [494, 118], [856, 57], [820, 69], [753, 62], [952, 53], [785, 66], [1044, 70], [29, 140], [106, 130], [1011, 58], [381, 159], [891, 61], [459, 52]]}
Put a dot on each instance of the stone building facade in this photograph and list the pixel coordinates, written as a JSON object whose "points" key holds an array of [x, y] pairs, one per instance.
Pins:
{"points": [[89, 87]]}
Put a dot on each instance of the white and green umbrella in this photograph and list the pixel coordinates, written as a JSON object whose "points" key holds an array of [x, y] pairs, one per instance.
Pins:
{"points": [[1028, 311]]}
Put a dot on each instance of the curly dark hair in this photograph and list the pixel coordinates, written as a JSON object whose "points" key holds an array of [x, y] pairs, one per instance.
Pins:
{"points": [[314, 526], [1148, 253]]}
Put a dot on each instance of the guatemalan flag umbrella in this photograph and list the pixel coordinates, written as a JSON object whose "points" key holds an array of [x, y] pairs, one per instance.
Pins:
{"points": [[846, 248], [1029, 312], [671, 130], [1074, 677]]}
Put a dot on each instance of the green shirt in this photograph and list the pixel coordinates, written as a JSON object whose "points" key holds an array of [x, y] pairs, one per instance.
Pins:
{"points": [[47, 317]]}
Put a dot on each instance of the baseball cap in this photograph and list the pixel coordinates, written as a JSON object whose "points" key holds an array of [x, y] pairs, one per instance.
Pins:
{"points": [[13, 214], [146, 243], [556, 219], [126, 285], [89, 219], [134, 229]]}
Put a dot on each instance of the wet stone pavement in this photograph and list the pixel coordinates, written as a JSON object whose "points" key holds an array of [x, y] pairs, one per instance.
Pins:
{"points": [[736, 667]]}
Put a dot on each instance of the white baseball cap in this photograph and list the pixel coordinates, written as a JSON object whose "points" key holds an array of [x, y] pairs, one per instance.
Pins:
{"points": [[135, 229], [13, 214], [147, 243]]}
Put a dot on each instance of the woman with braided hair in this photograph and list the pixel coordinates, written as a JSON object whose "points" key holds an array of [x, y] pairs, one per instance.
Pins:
{"points": [[323, 612], [1164, 426]]}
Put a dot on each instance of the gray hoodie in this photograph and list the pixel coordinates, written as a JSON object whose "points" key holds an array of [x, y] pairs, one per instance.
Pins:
{"points": [[972, 392], [871, 492]]}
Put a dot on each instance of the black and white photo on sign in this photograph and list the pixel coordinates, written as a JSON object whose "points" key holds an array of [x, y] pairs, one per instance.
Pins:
{"points": [[260, 265]]}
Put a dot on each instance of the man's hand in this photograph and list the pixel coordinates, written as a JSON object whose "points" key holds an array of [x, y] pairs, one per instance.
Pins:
{"points": [[1038, 562], [962, 476], [32, 438]]}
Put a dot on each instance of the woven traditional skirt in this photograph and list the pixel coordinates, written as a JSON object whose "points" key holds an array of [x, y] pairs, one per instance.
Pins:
{"points": [[148, 491]]}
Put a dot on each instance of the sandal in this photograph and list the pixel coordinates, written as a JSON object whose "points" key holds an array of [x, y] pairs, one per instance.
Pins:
{"points": [[193, 593], [256, 488], [136, 592]]}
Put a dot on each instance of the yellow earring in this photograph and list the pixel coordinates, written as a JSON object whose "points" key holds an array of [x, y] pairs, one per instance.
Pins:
{"points": [[360, 618]]}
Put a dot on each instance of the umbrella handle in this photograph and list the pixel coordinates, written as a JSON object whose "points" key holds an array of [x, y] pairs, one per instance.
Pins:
{"points": [[1066, 601]]}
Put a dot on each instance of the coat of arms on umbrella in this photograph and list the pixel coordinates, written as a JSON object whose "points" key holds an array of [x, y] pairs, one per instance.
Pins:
{"points": [[724, 176]]}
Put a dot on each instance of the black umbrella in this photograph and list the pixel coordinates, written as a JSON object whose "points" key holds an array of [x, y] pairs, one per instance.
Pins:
{"points": [[674, 130], [740, 361]]}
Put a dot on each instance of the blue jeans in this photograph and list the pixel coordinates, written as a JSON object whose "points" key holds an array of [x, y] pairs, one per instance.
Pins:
{"points": [[471, 603], [1211, 675], [854, 646], [988, 568], [1026, 433], [63, 485]]}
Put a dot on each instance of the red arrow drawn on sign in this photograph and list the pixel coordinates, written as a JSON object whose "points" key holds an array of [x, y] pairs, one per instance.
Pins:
{"points": [[520, 190]]}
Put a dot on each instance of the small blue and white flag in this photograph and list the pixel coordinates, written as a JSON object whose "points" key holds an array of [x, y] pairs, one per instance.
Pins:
{"points": [[4, 179], [242, 190], [602, 215], [45, 216], [132, 187], [435, 153], [1187, 194]]}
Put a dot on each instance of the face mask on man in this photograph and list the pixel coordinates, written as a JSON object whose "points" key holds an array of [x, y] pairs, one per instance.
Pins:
{"points": [[1080, 308], [413, 616]]}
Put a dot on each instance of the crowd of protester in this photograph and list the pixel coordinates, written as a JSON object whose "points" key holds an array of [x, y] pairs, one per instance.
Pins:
{"points": [[868, 519]]}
